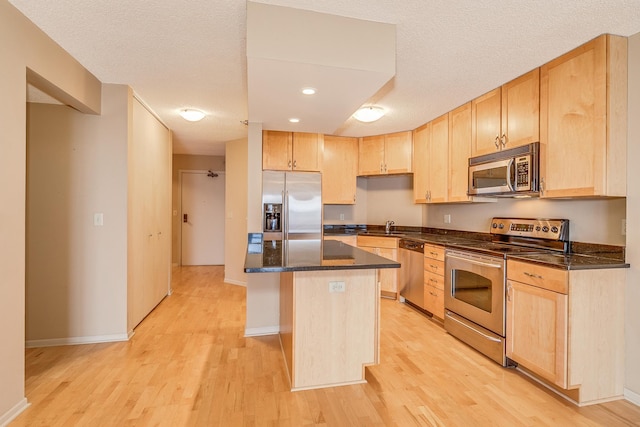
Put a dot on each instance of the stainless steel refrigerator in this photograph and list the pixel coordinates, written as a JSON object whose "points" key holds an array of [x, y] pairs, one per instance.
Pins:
{"points": [[291, 205]]}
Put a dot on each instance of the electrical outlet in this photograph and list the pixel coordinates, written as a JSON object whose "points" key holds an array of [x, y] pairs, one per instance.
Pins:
{"points": [[623, 227], [336, 287], [341, 216], [98, 220], [447, 219]]}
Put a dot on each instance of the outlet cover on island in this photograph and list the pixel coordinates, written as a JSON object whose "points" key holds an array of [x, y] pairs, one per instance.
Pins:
{"points": [[341, 217], [336, 287], [447, 218]]}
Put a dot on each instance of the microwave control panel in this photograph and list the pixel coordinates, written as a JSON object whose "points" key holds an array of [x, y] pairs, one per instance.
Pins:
{"points": [[523, 173]]}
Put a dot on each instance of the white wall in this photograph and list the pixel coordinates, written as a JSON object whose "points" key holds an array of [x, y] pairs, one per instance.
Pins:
{"points": [[592, 221], [25, 49], [235, 245], [76, 282], [379, 199], [632, 318], [263, 289]]}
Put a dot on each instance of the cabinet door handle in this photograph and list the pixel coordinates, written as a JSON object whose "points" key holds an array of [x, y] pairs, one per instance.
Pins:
{"points": [[434, 253], [503, 140], [354, 198], [497, 142], [535, 276], [185, 218], [289, 163], [542, 186], [508, 291], [295, 164]]}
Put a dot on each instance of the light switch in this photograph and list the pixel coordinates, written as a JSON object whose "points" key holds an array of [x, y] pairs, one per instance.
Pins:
{"points": [[98, 219]]}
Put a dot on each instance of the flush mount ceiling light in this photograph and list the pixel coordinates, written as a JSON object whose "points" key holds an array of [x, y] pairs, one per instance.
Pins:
{"points": [[192, 114], [308, 91], [294, 120], [369, 114]]}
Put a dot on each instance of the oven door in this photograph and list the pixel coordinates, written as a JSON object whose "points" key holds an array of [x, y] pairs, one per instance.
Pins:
{"points": [[475, 288], [497, 177]]}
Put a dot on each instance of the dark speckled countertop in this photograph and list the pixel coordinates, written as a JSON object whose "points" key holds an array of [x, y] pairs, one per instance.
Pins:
{"points": [[571, 261], [583, 256], [311, 255]]}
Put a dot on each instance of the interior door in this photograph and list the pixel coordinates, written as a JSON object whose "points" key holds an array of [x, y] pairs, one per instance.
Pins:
{"points": [[202, 218]]}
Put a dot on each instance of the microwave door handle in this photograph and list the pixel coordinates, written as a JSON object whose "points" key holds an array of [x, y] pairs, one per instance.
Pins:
{"points": [[510, 168]]}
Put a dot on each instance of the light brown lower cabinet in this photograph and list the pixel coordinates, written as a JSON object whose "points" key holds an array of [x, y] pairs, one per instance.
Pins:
{"points": [[434, 280], [347, 240], [566, 329], [386, 247]]}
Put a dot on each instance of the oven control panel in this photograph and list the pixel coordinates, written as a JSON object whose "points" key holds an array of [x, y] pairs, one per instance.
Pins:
{"points": [[550, 229]]}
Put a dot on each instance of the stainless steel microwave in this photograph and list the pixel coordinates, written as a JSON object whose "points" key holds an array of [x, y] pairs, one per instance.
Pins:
{"points": [[508, 173]]}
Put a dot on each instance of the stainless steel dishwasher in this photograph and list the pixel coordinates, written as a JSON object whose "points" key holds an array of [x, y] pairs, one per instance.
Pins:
{"points": [[412, 272]]}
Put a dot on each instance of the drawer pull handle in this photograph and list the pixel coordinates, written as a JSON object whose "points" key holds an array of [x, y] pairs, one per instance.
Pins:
{"points": [[535, 276], [435, 267]]}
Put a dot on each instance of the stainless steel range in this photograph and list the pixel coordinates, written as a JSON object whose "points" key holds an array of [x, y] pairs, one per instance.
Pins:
{"points": [[475, 279]]}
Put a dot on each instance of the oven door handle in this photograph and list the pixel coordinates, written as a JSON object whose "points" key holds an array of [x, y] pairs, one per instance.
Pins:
{"points": [[473, 261], [490, 338]]}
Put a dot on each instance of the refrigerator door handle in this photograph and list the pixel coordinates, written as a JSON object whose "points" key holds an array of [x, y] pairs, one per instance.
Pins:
{"points": [[285, 208]]}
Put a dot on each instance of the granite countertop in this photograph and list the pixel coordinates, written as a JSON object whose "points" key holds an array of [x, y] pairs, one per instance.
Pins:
{"points": [[571, 261], [311, 255], [583, 256]]}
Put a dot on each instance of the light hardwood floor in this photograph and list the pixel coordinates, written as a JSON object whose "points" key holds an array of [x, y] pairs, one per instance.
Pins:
{"points": [[189, 364]]}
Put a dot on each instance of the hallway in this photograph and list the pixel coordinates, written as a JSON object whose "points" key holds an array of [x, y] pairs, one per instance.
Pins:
{"points": [[188, 364]]}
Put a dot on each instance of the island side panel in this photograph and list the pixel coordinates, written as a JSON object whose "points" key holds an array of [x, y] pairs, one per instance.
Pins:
{"points": [[286, 321], [335, 334]]}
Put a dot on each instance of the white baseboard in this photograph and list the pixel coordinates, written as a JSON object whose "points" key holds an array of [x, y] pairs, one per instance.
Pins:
{"points": [[12, 413], [235, 282], [96, 339], [257, 332], [632, 396]]}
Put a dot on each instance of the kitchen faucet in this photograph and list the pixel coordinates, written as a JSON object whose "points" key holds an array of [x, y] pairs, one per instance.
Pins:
{"points": [[387, 226]]}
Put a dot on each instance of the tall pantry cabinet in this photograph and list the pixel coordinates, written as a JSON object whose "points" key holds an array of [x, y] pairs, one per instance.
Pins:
{"points": [[149, 213]]}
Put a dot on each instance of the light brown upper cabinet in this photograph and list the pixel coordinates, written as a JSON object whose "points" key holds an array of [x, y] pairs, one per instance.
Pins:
{"points": [[508, 116], [385, 154], [291, 151], [459, 152], [339, 170], [431, 151], [583, 121]]}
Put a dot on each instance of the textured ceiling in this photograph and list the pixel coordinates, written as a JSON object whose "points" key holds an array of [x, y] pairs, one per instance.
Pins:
{"points": [[192, 54]]}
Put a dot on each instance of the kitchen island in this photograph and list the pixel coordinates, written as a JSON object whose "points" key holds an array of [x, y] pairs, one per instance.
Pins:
{"points": [[329, 308]]}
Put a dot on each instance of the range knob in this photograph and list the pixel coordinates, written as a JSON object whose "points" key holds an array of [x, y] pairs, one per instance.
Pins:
{"points": [[494, 225], [545, 229], [538, 228], [501, 226], [554, 229]]}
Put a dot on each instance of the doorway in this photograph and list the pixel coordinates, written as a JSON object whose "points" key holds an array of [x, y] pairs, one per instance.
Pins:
{"points": [[202, 217]]}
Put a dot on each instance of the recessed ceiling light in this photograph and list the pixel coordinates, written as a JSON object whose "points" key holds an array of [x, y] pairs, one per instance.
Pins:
{"points": [[369, 114], [192, 114], [308, 91], [294, 120]]}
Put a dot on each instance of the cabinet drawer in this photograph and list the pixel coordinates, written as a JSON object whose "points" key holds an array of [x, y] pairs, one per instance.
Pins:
{"points": [[378, 242], [434, 301], [435, 280], [434, 252], [553, 279], [434, 266]]}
